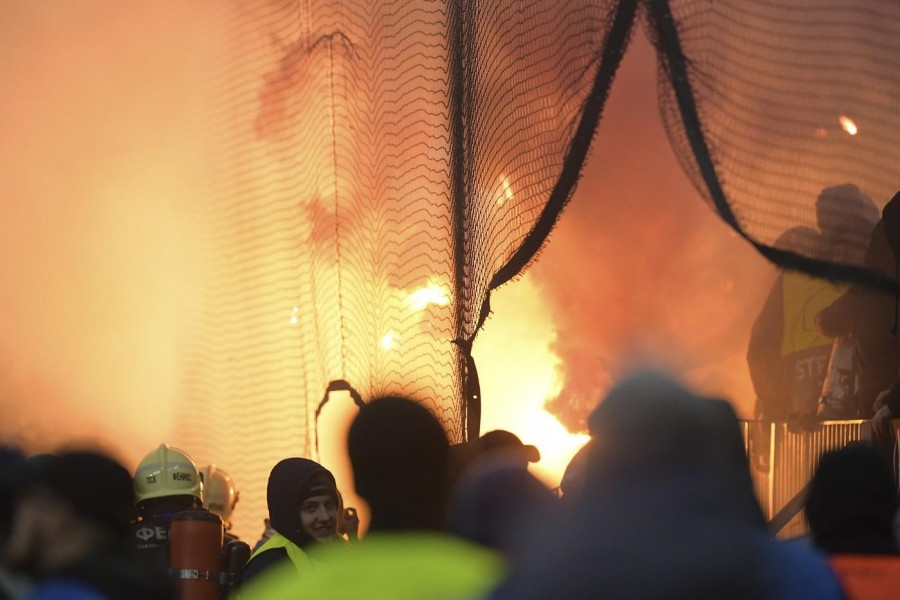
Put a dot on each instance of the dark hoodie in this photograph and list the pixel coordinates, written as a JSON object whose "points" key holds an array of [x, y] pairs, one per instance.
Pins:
{"points": [[113, 574], [292, 481]]}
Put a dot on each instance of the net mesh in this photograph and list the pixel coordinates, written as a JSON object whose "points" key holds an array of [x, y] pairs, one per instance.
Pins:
{"points": [[377, 164]]}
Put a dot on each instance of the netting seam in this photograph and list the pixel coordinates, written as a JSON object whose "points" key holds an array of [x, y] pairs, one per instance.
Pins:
{"points": [[614, 45]]}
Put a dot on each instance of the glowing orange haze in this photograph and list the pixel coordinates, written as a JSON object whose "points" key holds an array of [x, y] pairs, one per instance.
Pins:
{"points": [[98, 162]]}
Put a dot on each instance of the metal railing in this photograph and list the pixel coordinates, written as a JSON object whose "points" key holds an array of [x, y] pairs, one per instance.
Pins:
{"points": [[783, 458]]}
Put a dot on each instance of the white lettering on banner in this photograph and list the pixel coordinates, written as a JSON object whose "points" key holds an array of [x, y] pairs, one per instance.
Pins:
{"points": [[811, 368]]}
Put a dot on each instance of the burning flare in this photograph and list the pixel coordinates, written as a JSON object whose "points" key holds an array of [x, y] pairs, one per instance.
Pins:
{"points": [[848, 125], [427, 295], [519, 372]]}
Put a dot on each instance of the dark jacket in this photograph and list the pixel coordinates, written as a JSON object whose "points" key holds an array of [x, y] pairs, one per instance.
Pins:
{"points": [[111, 575], [891, 220], [868, 315]]}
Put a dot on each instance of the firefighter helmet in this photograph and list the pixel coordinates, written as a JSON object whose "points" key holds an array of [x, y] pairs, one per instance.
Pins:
{"points": [[167, 472], [220, 495]]}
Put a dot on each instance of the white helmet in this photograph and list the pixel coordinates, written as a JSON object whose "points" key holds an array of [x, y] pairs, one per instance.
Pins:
{"points": [[220, 495]]}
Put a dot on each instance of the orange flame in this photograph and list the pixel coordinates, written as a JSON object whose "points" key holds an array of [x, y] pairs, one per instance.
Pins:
{"points": [[519, 372]]}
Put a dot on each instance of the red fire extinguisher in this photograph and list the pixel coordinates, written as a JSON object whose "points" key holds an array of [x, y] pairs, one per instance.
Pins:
{"points": [[195, 555]]}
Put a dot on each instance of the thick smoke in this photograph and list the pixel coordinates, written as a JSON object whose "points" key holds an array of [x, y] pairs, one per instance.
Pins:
{"points": [[100, 161], [641, 269]]}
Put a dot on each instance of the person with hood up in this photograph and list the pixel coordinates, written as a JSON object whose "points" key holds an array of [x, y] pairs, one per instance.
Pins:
{"points": [[303, 512], [71, 530]]}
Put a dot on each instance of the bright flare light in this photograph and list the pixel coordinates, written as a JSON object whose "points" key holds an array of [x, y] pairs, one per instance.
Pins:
{"points": [[848, 125], [295, 315], [387, 342], [425, 296], [519, 373], [505, 192]]}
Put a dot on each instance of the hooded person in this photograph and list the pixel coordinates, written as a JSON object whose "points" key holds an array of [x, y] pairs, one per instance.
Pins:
{"points": [[71, 530], [400, 460], [303, 511], [661, 515]]}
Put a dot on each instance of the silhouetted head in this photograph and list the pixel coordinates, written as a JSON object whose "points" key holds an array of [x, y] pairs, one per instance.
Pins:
{"points": [[496, 501], [399, 454], [803, 240], [851, 502], [846, 217], [81, 497], [502, 442], [97, 487], [647, 423]]}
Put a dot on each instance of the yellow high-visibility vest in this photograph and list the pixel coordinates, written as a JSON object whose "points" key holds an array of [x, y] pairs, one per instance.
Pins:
{"points": [[399, 566], [804, 298], [298, 557]]}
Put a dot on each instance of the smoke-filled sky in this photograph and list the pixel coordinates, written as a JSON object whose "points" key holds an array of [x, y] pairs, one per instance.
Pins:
{"points": [[98, 162]]}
